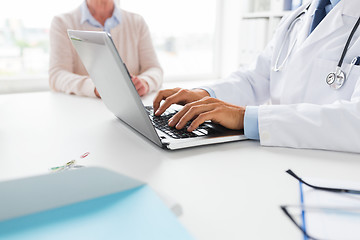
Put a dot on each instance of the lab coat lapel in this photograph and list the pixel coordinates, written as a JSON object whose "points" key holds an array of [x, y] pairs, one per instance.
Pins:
{"points": [[331, 23], [304, 32], [284, 27], [351, 8]]}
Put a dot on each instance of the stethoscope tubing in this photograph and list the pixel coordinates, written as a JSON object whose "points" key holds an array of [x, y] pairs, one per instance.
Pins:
{"points": [[348, 42], [338, 74], [277, 67]]}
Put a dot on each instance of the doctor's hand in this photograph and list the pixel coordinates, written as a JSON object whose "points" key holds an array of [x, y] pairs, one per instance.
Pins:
{"points": [[142, 87], [207, 108], [176, 96]]}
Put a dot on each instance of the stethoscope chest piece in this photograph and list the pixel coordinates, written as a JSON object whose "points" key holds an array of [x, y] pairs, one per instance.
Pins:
{"points": [[336, 79]]}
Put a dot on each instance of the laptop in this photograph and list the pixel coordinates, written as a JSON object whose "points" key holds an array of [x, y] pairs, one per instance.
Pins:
{"points": [[113, 82]]}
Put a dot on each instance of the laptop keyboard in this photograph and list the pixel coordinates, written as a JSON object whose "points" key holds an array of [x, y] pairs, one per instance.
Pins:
{"points": [[161, 123]]}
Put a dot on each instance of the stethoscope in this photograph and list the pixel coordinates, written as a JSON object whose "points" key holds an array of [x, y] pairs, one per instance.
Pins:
{"points": [[334, 79], [278, 67]]}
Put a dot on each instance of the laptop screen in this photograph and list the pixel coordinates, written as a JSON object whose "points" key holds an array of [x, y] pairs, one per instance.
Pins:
{"points": [[112, 80]]}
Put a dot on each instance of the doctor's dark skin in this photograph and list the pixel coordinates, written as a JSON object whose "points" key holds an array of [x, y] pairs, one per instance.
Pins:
{"points": [[199, 107]]}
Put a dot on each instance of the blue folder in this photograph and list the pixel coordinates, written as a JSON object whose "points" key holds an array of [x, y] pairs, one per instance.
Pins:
{"points": [[135, 213]]}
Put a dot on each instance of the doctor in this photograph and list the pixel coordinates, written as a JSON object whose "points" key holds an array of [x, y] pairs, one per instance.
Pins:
{"points": [[309, 72]]}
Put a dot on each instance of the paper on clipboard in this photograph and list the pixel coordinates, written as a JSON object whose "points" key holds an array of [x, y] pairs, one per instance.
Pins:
{"points": [[330, 215]]}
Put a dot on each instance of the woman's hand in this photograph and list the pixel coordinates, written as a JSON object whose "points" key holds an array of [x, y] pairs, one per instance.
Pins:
{"points": [[142, 87], [97, 93]]}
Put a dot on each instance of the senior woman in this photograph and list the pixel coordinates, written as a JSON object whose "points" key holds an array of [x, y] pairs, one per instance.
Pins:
{"points": [[130, 35]]}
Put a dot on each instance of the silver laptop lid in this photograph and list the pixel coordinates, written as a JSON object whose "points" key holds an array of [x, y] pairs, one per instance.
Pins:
{"points": [[110, 75]]}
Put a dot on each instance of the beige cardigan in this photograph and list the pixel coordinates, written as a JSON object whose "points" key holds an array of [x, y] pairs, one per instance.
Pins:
{"points": [[131, 37]]}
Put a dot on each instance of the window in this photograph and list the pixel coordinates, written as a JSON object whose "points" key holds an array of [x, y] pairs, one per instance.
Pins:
{"points": [[24, 42], [183, 32]]}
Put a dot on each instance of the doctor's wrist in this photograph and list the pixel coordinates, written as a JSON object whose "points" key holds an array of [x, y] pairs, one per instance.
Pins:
{"points": [[200, 93]]}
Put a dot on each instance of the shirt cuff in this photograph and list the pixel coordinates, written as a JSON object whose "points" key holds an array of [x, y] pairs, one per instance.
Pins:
{"points": [[209, 90], [251, 123]]}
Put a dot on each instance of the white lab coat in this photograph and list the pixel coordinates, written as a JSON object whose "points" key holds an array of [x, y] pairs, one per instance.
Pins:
{"points": [[304, 111]]}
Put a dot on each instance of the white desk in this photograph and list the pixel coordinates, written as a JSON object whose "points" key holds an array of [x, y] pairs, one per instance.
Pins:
{"points": [[227, 191]]}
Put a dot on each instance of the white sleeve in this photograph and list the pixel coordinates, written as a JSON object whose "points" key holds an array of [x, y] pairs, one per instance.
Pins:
{"points": [[333, 126], [247, 86], [251, 86]]}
